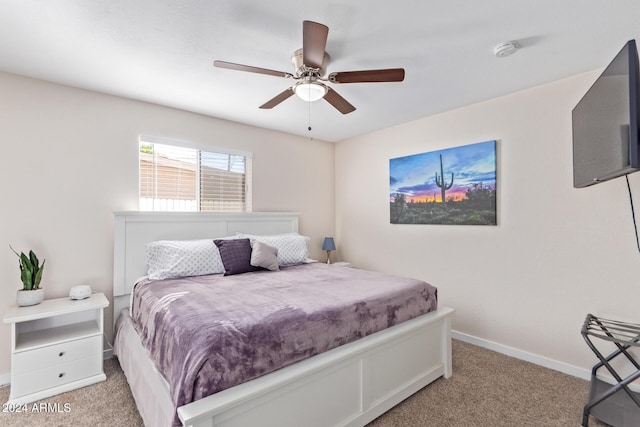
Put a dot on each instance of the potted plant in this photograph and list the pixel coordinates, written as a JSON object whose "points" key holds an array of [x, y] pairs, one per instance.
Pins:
{"points": [[31, 275]]}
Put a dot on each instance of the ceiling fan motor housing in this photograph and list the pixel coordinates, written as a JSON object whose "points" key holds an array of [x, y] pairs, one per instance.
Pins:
{"points": [[302, 70]]}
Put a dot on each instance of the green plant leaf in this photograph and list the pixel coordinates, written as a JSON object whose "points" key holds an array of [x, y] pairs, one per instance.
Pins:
{"points": [[26, 262], [38, 278], [14, 251], [27, 278], [34, 259]]}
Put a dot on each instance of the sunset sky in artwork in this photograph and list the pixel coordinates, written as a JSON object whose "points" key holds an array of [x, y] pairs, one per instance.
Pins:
{"points": [[415, 175]]}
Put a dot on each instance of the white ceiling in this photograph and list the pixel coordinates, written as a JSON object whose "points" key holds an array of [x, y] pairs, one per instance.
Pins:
{"points": [[162, 52]]}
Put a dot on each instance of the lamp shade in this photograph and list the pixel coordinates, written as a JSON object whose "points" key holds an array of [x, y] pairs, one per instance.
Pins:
{"points": [[329, 244]]}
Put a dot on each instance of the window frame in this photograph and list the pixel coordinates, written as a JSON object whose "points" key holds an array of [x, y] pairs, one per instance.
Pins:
{"points": [[199, 148]]}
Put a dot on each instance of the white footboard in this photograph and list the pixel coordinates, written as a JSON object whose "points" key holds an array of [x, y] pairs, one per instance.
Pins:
{"points": [[347, 386]]}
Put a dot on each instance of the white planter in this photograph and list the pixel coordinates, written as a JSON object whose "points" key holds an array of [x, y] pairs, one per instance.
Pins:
{"points": [[26, 298]]}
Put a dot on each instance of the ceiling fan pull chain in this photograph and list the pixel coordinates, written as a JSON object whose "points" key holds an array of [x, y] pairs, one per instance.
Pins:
{"points": [[309, 123]]}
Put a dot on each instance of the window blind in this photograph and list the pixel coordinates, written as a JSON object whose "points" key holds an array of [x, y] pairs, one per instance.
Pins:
{"points": [[175, 178]]}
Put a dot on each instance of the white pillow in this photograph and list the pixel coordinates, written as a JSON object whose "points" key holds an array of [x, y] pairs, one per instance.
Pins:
{"points": [[292, 247], [168, 259]]}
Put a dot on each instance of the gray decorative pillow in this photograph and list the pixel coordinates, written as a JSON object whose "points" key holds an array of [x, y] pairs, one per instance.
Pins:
{"points": [[236, 255], [263, 255]]}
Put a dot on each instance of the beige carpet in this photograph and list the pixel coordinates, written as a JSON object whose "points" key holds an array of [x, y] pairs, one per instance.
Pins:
{"points": [[487, 389]]}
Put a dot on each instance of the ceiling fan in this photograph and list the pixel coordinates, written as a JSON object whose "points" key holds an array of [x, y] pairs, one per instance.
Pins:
{"points": [[310, 68]]}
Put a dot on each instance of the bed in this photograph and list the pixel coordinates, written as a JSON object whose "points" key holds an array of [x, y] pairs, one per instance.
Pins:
{"points": [[349, 384]]}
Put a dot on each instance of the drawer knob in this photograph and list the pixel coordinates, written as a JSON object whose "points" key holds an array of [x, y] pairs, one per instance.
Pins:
{"points": [[61, 354], [60, 375]]}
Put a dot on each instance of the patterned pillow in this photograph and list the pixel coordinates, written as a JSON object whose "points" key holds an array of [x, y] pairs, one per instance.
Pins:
{"points": [[292, 247], [235, 255], [167, 259], [263, 255]]}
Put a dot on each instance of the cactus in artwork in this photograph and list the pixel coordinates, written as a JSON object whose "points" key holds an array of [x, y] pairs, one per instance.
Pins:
{"points": [[441, 183]]}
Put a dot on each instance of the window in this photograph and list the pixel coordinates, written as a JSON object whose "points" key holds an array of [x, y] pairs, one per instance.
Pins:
{"points": [[176, 178]]}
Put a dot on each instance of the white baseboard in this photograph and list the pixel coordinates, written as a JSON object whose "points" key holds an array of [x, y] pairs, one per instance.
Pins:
{"points": [[556, 365], [5, 379]]}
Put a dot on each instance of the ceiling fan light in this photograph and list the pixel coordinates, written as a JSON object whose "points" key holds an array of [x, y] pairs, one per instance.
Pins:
{"points": [[310, 91]]}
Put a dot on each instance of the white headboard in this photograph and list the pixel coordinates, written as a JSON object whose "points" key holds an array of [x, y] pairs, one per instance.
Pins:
{"points": [[133, 230]]}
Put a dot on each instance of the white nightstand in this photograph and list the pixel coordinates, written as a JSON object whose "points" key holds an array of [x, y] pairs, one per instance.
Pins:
{"points": [[56, 346], [342, 264]]}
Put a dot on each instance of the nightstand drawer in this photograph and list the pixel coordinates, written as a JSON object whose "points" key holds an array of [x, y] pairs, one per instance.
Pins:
{"points": [[54, 376], [27, 361]]}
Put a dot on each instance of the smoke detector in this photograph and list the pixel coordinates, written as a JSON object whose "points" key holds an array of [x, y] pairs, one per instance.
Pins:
{"points": [[505, 49]]}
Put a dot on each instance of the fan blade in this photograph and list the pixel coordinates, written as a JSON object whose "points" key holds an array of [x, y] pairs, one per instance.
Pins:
{"points": [[314, 43], [341, 104], [250, 69], [368, 76], [285, 94]]}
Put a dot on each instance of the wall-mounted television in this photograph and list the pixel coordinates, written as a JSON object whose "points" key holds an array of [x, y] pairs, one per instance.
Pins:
{"points": [[605, 123]]}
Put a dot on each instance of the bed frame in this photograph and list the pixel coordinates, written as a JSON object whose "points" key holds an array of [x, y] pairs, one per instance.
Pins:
{"points": [[348, 386]]}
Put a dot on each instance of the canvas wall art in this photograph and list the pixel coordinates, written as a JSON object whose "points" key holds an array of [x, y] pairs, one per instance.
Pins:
{"points": [[452, 186]]}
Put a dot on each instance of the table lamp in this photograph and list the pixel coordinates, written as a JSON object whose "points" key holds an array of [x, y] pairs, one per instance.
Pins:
{"points": [[328, 245]]}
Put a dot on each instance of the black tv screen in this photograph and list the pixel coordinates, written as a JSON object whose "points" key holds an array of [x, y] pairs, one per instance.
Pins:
{"points": [[605, 123]]}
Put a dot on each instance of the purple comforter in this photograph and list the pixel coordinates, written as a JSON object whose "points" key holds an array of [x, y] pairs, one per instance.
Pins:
{"points": [[209, 333]]}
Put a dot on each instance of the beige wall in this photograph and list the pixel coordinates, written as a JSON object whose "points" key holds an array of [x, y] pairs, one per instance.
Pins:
{"points": [[70, 158], [557, 253]]}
